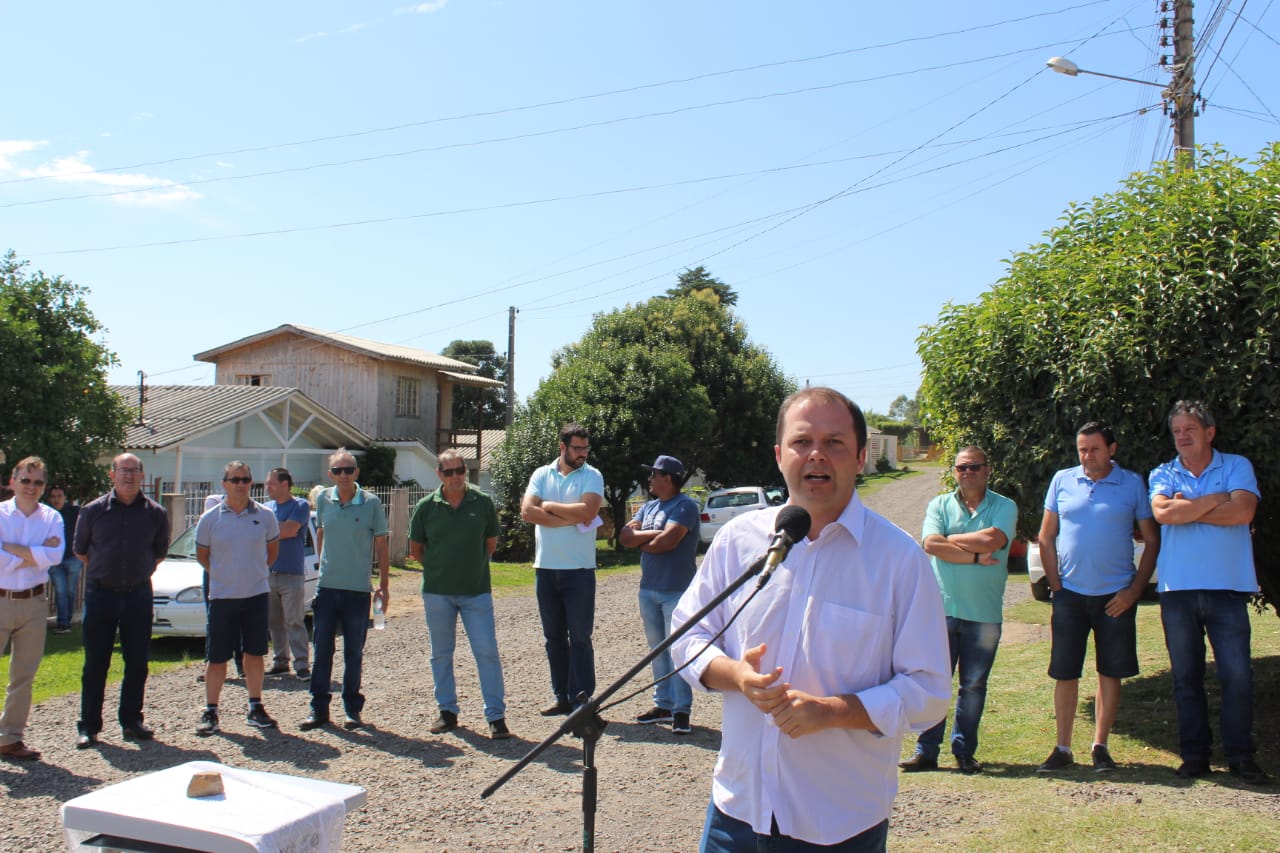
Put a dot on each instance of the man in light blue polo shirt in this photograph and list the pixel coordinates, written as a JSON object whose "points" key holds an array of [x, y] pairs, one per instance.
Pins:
{"points": [[563, 501], [1205, 502], [967, 534], [1086, 546], [236, 540], [352, 534]]}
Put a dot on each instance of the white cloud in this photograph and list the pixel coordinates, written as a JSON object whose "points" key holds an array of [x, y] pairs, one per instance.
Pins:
{"points": [[224, 164], [422, 8], [10, 147], [309, 36], [135, 188]]}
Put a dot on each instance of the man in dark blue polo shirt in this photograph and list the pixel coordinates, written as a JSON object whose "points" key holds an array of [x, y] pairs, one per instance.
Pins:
{"points": [[121, 537]]}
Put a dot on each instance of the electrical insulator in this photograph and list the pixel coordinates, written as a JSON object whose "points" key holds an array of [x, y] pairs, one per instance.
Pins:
{"points": [[1164, 59], [1164, 23], [1164, 41]]}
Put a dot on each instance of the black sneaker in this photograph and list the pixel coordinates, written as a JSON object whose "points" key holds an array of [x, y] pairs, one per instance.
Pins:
{"points": [[208, 723], [1250, 772], [654, 715], [968, 765], [446, 722], [680, 723], [1059, 760], [352, 721], [257, 716], [314, 721], [279, 669], [304, 674], [1102, 760], [498, 730]]}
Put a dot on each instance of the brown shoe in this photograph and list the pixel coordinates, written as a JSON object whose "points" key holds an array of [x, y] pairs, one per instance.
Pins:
{"points": [[17, 751]]}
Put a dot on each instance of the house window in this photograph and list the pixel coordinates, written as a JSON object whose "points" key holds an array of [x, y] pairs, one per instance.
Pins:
{"points": [[407, 391], [253, 378]]}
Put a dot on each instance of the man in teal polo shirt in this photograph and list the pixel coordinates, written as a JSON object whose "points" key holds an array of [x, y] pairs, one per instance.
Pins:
{"points": [[967, 534], [563, 500], [352, 533], [452, 533]]}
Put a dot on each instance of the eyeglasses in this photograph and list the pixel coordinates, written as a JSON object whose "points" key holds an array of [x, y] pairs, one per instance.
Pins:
{"points": [[579, 448], [970, 468], [342, 469], [27, 481], [239, 481], [127, 470], [453, 472]]}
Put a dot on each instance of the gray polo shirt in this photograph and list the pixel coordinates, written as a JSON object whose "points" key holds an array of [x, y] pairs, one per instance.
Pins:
{"points": [[237, 543]]}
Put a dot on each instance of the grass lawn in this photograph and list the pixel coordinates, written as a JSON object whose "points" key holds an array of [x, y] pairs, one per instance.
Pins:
{"points": [[1142, 805]]}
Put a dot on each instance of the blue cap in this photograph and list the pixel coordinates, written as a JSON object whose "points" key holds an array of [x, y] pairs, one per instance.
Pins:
{"points": [[667, 465]]}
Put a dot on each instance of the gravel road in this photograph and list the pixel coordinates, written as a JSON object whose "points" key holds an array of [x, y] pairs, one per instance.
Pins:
{"points": [[424, 789]]}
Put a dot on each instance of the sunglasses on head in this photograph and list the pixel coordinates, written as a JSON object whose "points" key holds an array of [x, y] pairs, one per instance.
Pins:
{"points": [[342, 469], [27, 481], [971, 467], [239, 481], [453, 472]]}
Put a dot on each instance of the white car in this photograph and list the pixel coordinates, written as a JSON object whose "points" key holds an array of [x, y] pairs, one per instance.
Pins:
{"points": [[725, 504], [1040, 584], [177, 587]]}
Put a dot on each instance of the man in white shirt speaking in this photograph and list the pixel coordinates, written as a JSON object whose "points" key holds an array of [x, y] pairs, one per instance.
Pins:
{"points": [[840, 655]]}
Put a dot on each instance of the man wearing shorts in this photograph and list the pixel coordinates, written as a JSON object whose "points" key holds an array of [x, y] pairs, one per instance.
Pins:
{"points": [[236, 541], [1086, 545]]}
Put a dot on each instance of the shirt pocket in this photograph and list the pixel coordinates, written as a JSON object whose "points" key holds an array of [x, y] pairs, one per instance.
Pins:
{"points": [[848, 650]]}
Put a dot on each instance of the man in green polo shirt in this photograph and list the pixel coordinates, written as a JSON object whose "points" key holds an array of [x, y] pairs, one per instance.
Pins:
{"points": [[352, 534], [453, 533]]}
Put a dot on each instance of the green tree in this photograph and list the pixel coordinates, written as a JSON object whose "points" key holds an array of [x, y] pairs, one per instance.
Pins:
{"points": [[905, 409], [53, 374], [1167, 289], [692, 281], [479, 408], [670, 375]]}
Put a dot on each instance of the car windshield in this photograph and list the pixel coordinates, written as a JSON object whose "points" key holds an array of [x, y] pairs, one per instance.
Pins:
{"points": [[184, 547], [732, 499]]}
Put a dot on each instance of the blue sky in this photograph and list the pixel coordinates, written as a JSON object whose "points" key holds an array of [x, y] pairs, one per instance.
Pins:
{"points": [[406, 173]]}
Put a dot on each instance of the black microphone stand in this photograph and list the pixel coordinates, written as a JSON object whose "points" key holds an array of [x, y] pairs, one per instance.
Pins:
{"points": [[586, 723]]}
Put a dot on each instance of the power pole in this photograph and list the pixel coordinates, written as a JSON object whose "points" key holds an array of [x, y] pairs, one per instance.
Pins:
{"points": [[511, 364], [1180, 103]]}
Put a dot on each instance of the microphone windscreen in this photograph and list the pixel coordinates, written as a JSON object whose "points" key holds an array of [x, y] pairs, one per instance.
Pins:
{"points": [[794, 521]]}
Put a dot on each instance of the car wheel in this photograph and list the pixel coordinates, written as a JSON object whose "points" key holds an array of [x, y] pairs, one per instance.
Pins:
{"points": [[1040, 590]]}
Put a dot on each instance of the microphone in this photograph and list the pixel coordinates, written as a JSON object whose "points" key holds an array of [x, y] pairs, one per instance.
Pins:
{"points": [[791, 526]]}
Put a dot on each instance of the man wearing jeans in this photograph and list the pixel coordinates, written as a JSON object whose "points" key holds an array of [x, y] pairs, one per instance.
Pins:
{"points": [[666, 532], [1205, 501], [563, 501], [352, 535], [453, 533], [1086, 545], [967, 534], [65, 575]]}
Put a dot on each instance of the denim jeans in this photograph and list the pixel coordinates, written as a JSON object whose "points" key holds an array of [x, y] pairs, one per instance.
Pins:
{"points": [[673, 694], [66, 582], [1187, 616], [106, 611], [348, 609], [973, 651], [567, 605], [442, 612], [724, 834]]}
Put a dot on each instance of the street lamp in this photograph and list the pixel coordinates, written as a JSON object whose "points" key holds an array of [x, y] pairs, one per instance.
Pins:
{"points": [[1065, 66]]}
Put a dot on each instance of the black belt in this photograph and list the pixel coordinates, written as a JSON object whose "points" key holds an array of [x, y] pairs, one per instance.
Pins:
{"points": [[114, 588], [38, 589]]}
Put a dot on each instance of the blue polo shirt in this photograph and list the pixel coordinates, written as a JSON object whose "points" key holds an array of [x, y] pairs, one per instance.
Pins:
{"points": [[346, 560], [564, 547], [971, 591], [1199, 555], [672, 571], [1095, 527], [292, 556]]}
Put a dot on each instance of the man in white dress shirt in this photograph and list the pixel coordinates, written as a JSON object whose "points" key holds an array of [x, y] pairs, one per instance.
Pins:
{"points": [[841, 654]]}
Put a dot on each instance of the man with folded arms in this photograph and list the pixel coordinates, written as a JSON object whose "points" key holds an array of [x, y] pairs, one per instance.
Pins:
{"points": [[31, 540]]}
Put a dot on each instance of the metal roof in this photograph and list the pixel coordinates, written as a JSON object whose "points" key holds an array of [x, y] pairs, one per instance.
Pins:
{"points": [[172, 415], [373, 349]]}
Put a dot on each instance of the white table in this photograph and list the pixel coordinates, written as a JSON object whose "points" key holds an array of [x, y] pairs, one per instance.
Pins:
{"points": [[258, 812]]}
